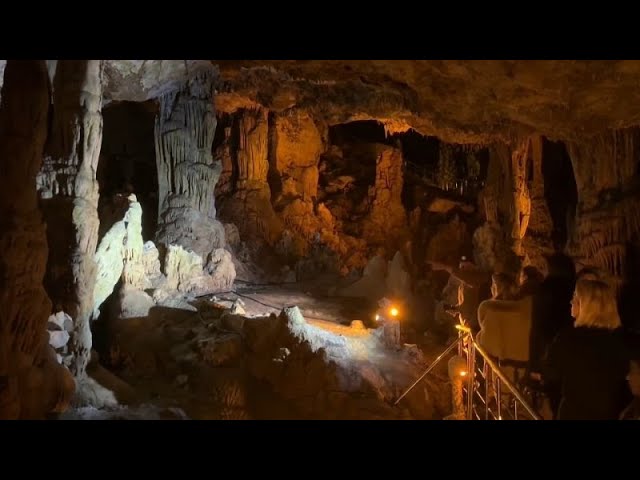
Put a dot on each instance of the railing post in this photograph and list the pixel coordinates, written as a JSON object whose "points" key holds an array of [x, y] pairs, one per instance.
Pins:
{"points": [[486, 372], [471, 374], [498, 396]]}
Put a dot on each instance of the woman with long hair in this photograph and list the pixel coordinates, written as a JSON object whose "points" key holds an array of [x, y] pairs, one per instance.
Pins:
{"points": [[589, 362]]}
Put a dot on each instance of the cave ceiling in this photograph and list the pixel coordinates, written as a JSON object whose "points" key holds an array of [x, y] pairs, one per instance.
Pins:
{"points": [[459, 101]]}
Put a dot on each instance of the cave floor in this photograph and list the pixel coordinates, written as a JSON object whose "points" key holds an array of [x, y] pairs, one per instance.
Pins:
{"points": [[184, 365], [258, 301]]}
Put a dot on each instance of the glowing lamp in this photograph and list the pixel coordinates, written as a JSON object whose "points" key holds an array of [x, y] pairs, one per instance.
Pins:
{"points": [[457, 368], [377, 317], [394, 312]]}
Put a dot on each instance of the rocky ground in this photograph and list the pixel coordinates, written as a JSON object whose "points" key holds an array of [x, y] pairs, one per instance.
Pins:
{"points": [[265, 361]]}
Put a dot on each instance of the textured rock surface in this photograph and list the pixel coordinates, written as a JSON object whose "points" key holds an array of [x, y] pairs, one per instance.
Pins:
{"points": [[298, 145], [283, 366], [140, 80], [120, 255], [387, 222], [187, 173], [608, 216], [464, 101], [69, 192], [249, 205], [32, 383], [185, 272], [537, 242]]}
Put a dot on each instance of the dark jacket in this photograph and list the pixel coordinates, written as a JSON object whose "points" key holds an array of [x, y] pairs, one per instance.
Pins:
{"points": [[590, 366], [550, 313]]}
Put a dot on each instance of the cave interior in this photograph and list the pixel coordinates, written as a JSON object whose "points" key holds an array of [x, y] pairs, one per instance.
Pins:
{"points": [[212, 239]]}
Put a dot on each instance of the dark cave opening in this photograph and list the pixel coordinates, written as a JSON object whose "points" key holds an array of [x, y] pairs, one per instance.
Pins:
{"points": [[369, 131], [128, 164], [560, 190], [347, 169]]}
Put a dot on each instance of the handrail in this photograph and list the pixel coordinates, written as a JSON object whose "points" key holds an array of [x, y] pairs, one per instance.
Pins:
{"points": [[431, 367], [472, 348], [505, 380]]}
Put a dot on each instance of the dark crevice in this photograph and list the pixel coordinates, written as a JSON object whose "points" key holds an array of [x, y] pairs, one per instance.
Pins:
{"points": [[128, 164], [560, 190]]}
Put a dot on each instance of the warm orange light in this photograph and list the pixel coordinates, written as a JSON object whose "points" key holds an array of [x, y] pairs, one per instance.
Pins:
{"points": [[394, 312], [463, 373]]}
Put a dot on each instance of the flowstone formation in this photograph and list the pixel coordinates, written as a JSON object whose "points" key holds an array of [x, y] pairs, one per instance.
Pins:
{"points": [[144, 281], [187, 173]]}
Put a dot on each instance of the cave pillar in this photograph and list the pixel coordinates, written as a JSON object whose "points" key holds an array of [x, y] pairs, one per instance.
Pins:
{"points": [[69, 194], [31, 380], [249, 205], [187, 174], [520, 211], [538, 244], [253, 147]]}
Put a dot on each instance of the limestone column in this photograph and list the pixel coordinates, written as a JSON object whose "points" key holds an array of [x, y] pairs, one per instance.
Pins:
{"points": [[187, 174], [521, 199], [69, 192]]}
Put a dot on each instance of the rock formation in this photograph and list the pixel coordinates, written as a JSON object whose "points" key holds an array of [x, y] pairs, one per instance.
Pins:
{"points": [[32, 382], [608, 216], [124, 260], [69, 196], [249, 206], [297, 145], [187, 173], [537, 242], [387, 221]]}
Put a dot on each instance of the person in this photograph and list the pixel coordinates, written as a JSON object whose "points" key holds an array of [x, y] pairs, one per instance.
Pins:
{"points": [[632, 411], [505, 323], [588, 362], [529, 281], [475, 288]]}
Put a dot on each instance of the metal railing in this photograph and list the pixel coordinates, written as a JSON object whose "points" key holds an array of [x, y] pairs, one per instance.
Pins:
{"points": [[487, 391]]}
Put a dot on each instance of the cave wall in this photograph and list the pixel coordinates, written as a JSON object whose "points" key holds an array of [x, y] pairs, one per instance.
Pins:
{"points": [[283, 192], [32, 383], [297, 145], [608, 212], [68, 191]]}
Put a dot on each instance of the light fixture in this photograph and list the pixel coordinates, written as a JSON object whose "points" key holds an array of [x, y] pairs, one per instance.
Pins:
{"points": [[394, 312]]}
